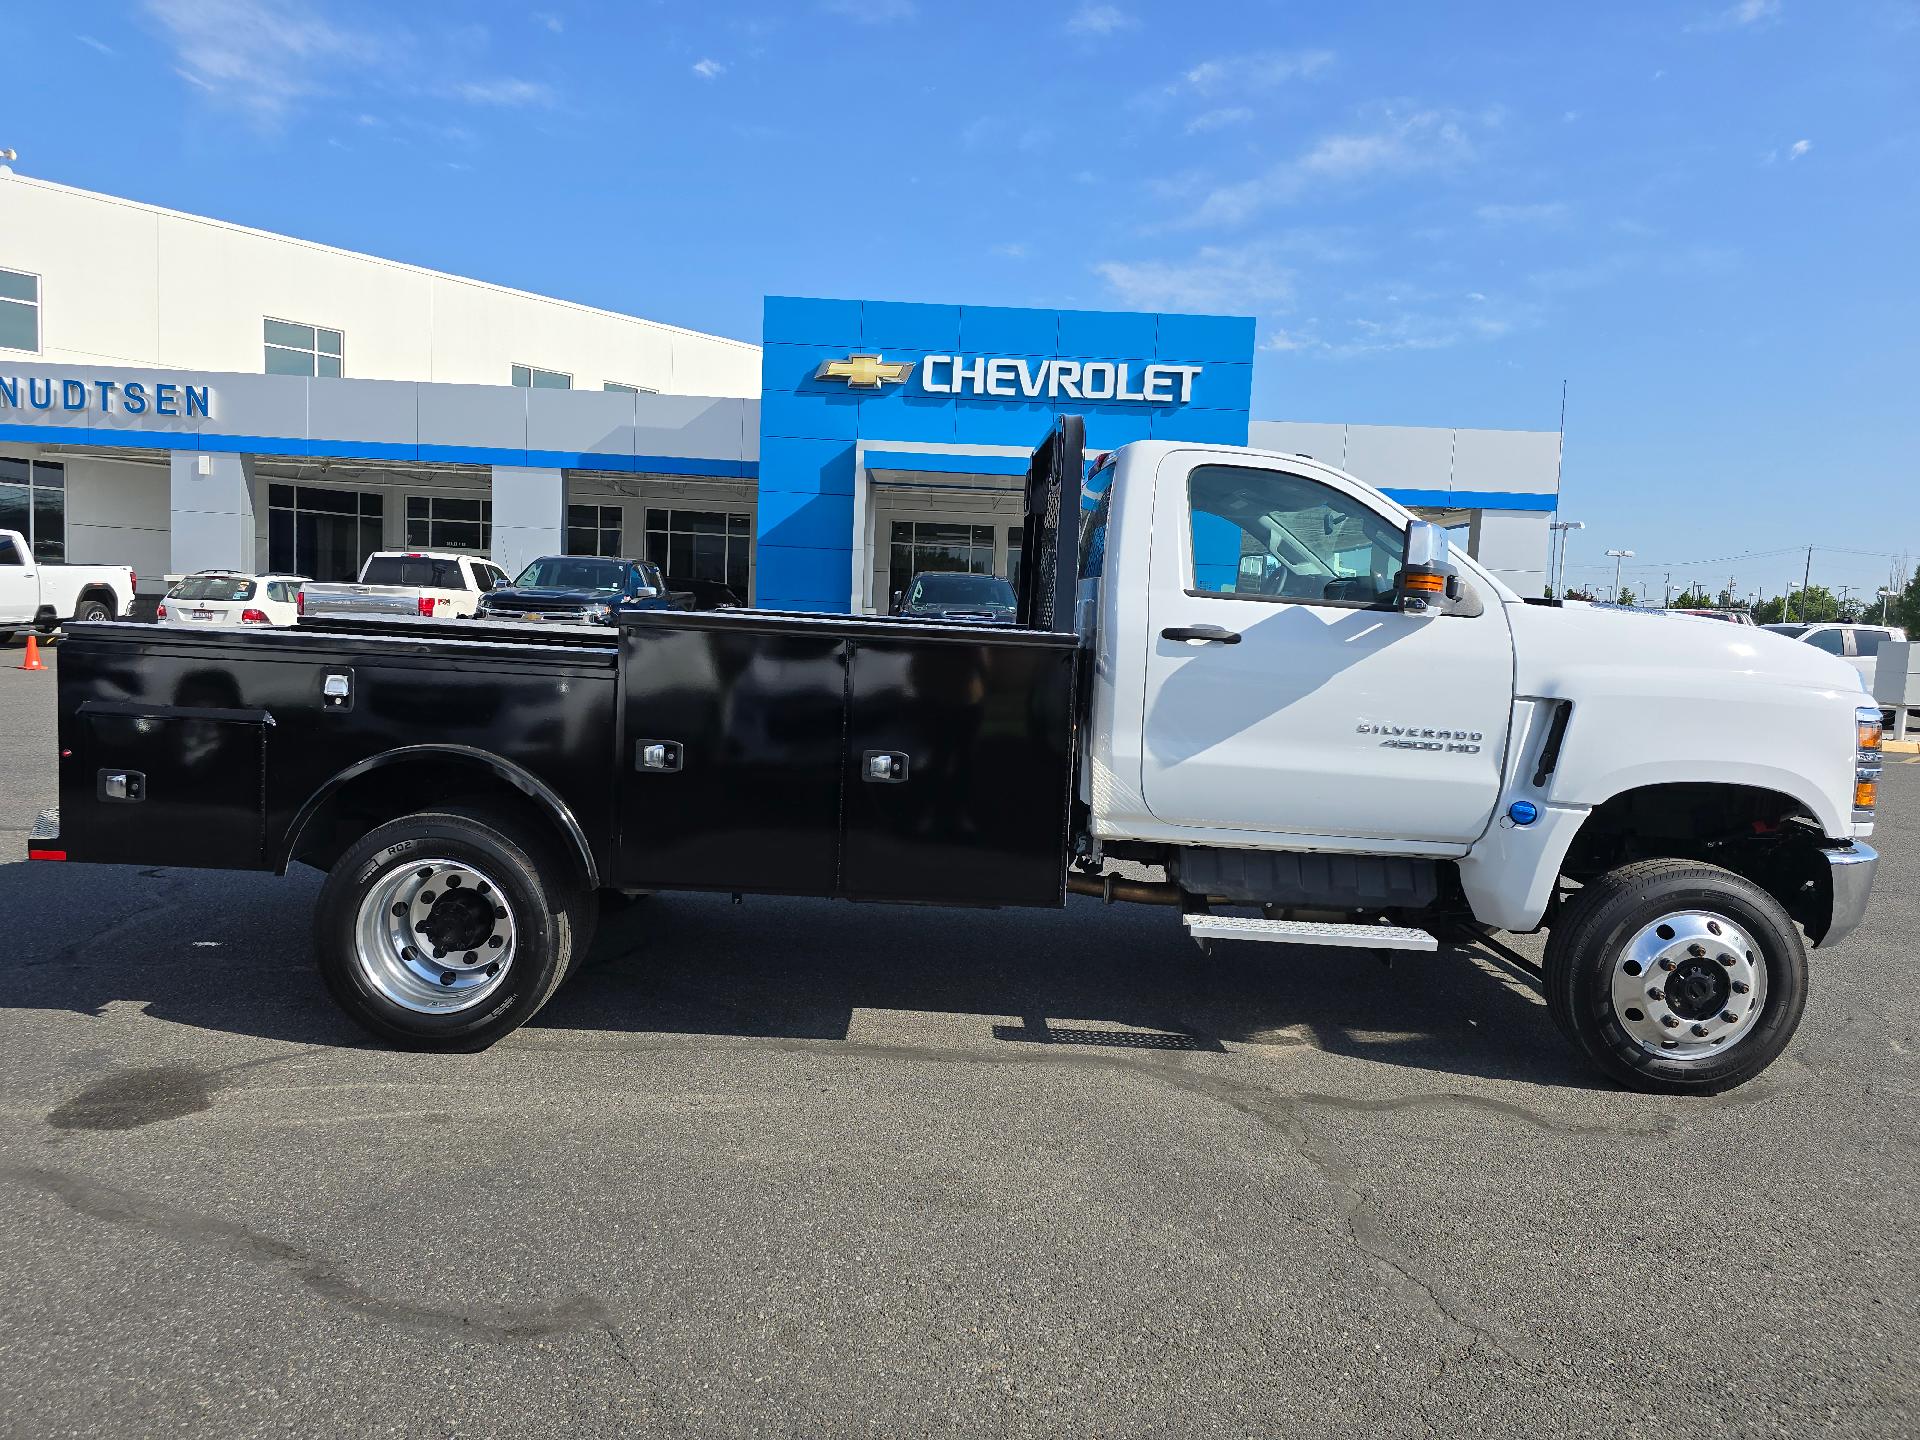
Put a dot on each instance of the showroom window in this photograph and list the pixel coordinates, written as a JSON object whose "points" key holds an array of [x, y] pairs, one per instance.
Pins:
{"points": [[33, 500], [19, 310], [531, 377], [321, 533], [593, 530], [449, 522], [926, 545], [701, 545], [618, 388], [294, 349]]}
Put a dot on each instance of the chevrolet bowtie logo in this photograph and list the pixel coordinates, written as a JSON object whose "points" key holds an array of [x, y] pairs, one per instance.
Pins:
{"points": [[864, 372]]}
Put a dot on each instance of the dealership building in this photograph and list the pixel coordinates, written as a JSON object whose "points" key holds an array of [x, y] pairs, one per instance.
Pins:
{"points": [[180, 394]]}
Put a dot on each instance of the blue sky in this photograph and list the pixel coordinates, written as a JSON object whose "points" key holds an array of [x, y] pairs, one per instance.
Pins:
{"points": [[1703, 216]]}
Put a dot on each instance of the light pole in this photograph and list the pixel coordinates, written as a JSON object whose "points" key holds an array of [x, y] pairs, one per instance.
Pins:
{"points": [[1618, 556], [1886, 597], [1557, 532]]}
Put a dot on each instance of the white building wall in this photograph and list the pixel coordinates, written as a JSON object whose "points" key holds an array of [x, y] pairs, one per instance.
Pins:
{"points": [[130, 284], [118, 514]]}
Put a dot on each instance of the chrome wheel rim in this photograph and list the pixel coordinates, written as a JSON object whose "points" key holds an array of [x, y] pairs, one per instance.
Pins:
{"points": [[435, 936], [1689, 985]]}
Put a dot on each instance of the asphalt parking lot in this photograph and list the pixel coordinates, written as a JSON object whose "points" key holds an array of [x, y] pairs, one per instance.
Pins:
{"points": [[798, 1168]]}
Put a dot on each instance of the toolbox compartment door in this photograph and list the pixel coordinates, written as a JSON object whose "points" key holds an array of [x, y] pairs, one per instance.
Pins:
{"points": [[976, 738], [165, 784]]}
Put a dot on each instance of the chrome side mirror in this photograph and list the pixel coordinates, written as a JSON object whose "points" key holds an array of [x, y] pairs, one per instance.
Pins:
{"points": [[1426, 569], [646, 592]]}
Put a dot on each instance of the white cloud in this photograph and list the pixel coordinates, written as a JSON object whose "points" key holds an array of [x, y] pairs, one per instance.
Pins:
{"points": [[260, 55], [93, 44], [1738, 16], [872, 12], [1263, 70], [549, 20], [1548, 212], [708, 69], [1798, 148], [1099, 20], [1209, 120], [1415, 143], [1214, 278], [505, 91], [1011, 250]]}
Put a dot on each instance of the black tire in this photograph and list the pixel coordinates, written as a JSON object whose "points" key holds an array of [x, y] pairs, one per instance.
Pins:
{"points": [[544, 926], [1588, 950], [92, 610]]}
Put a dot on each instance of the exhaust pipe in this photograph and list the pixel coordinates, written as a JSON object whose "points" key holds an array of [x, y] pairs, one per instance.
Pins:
{"points": [[1116, 887]]}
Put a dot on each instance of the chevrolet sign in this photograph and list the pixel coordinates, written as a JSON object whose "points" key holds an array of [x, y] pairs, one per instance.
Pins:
{"points": [[1020, 377]]}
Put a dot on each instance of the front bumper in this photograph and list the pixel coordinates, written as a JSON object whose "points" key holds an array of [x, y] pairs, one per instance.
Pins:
{"points": [[1851, 875]]}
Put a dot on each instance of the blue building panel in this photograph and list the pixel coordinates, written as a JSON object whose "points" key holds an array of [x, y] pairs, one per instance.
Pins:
{"points": [[1003, 330], [806, 467], [1224, 385], [1108, 334], [897, 415], [799, 521], [1109, 428], [797, 320], [1204, 338], [890, 325]]}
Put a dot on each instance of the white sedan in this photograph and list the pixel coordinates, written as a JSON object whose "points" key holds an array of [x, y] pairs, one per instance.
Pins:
{"points": [[225, 597]]}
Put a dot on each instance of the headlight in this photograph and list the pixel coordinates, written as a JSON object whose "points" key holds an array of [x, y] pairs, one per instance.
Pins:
{"points": [[599, 614], [1866, 761]]}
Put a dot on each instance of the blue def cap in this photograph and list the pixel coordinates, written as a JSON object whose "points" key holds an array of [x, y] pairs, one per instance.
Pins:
{"points": [[1523, 812]]}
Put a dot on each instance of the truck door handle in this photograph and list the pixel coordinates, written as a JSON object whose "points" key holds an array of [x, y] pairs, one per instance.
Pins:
{"points": [[1219, 633]]}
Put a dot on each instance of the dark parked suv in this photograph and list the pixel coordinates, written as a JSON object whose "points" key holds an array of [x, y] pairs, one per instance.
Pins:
{"points": [[581, 590], [949, 596]]}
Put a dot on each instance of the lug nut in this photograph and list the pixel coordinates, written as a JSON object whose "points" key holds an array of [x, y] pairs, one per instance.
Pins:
{"points": [[452, 881], [426, 897], [1666, 963], [499, 912], [1728, 1016], [1654, 992], [481, 887], [1696, 950], [1668, 1021], [1728, 961], [1701, 1031], [494, 941], [1740, 987], [469, 957]]}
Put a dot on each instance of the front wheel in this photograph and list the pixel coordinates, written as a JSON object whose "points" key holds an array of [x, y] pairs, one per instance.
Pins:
{"points": [[1676, 976], [439, 931]]}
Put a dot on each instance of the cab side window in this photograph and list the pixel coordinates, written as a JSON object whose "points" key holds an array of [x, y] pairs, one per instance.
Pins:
{"points": [[9, 552], [1831, 641], [1272, 535], [1868, 642]]}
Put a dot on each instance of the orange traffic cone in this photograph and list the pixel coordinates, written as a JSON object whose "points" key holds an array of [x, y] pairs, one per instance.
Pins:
{"points": [[33, 660]]}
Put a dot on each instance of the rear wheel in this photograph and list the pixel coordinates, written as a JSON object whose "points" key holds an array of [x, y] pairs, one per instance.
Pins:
{"points": [[1676, 976], [441, 931], [93, 610]]}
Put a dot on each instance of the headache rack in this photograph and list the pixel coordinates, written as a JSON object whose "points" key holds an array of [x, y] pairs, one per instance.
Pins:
{"points": [[1050, 535]]}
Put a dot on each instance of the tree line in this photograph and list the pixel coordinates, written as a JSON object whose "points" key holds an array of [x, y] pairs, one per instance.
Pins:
{"points": [[1813, 605]]}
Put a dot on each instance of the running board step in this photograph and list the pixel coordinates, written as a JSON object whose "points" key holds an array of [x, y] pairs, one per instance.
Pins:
{"points": [[1308, 932]]}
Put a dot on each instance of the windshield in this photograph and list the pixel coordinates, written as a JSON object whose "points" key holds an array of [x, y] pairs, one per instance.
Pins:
{"points": [[572, 572], [418, 570], [962, 590], [214, 587]]}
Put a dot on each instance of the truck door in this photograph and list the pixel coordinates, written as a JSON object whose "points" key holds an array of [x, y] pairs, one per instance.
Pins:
{"points": [[1284, 691], [19, 590]]}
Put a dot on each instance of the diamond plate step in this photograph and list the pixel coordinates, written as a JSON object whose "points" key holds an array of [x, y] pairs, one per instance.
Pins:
{"points": [[47, 827], [1307, 932]]}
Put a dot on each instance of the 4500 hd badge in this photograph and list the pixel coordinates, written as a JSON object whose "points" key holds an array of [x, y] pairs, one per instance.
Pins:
{"points": [[1413, 737]]}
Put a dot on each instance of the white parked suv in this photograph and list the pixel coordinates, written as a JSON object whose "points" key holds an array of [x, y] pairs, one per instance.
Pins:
{"points": [[441, 585], [1858, 645], [229, 597], [44, 595]]}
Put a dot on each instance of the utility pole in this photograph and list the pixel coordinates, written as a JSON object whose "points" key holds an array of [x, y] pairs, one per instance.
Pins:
{"points": [[1618, 556], [1805, 580], [1667, 604]]}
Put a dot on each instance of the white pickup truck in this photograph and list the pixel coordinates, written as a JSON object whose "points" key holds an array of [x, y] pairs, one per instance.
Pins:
{"points": [[440, 585], [1248, 672], [44, 597]]}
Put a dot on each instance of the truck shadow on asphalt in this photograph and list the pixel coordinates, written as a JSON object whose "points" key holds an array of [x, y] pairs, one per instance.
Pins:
{"points": [[231, 952]]}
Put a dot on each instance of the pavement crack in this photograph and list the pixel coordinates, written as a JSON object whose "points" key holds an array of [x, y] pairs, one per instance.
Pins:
{"points": [[499, 1324]]}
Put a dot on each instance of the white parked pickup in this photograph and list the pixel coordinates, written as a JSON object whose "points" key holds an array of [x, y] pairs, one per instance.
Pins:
{"points": [[43, 596], [437, 584]]}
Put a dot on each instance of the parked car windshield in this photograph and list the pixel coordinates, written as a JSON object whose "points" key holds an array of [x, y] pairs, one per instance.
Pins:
{"points": [[420, 570], [214, 587], [961, 590], [572, 572]]}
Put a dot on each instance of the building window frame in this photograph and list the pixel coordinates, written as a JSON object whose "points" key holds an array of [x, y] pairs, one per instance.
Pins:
{"points": [[297, 511], [319, 362], [621, 387], [448, 522], [35, 307], [595, 529], [534, 377], [671, 528], [34, 494]]}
